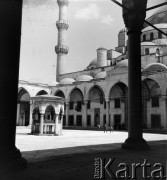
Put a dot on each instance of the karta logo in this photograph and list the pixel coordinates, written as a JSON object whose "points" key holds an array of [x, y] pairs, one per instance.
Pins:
{"points": [[110, 169]]}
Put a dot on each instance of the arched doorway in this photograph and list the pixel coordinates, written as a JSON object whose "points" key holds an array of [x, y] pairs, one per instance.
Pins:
{"points": [[96, 102], [152, 117], [118, 98], [75, 107], [23, 108]]}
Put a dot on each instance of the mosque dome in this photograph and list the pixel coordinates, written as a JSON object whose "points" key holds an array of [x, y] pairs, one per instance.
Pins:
{"points": [[123, 63], [53, 83], [67, 81], [93, 62], [123, 30], [159, 16], [84, 78], [101, 75], [35, 81]]}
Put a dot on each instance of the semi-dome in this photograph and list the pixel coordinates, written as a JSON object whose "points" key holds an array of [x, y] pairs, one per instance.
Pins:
{"points": [[154, 67], [53, 83], [158, 16], [67, 81], [147, 44], [101, 75], [159, 26], [123, 63], [84, 78]]}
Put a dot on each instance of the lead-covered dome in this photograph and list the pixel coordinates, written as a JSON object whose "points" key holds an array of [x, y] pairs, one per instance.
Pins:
{"points": [[67, 81], [159, 16], [53, 83], [101, 75], [84, 78]]}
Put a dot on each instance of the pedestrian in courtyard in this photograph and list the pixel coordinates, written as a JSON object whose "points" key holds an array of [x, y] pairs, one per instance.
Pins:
{"points": [[105, 128], [98, 127], [111, 129]]}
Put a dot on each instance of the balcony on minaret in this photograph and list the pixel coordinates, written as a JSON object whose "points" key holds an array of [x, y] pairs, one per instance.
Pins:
{"points": [[62, 2], [61, 49], [62, 24]]}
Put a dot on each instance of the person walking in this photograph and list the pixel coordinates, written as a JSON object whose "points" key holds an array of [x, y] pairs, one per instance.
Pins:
{"points": [[105, 128]]}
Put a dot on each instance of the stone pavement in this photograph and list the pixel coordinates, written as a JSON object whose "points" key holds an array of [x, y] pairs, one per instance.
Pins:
{"points": [[72, 156]]}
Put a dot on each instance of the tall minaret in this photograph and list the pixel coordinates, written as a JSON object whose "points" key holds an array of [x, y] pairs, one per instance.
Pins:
{"points": [[61, 48]]}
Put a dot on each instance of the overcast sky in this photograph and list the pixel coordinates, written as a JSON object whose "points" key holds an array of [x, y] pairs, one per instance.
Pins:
{"points": [[93, 24]]}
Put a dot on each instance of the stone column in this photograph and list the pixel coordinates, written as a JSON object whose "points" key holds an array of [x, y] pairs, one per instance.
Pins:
{"points": [[56, 123], [67, 113], [164, 112], [18, 114], [41, 123], [134, 22], [107, 111], [84, 120], [31, 113], [10, 32]]}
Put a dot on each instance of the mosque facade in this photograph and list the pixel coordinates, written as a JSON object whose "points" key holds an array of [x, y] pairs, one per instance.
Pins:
{"points": [[99, 93]]}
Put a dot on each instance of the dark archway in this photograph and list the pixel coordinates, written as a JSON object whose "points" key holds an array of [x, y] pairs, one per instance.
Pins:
{"points": [[42, 92], [119, 94], [23, 111]]}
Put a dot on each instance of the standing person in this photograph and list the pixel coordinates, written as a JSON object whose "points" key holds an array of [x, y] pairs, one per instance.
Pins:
{"points": [[111, 128], [105, 128], [98, 125]]}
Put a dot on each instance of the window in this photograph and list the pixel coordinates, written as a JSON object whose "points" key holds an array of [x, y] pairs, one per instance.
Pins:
{"points": [[104, 104], [79, 106], [155, 121], [144, 37], [157, 51], [88, 120], [88, 105], [71, 120], [147, 51], [79, 120], [71, 105], [155, 101], [117, 103], [151, 36], [159, 34]]}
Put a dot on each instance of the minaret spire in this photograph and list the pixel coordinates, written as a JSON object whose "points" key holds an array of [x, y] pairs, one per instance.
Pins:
{"points": [[61, 48]]}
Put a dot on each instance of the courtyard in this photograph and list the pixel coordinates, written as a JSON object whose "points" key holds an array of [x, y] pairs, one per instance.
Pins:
{"points": [[72, 156]]}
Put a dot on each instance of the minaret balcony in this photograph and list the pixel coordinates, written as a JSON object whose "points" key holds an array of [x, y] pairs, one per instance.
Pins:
{"points": [[61, 24], [62, 2], [61, 49]]}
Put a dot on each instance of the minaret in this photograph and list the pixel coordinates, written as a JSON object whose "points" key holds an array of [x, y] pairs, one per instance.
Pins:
{"points": [[61, 48]]}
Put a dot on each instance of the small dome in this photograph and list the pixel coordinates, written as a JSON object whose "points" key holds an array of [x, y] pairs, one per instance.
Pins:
{"points": [[84, 78], [93, 62], [67, 81], [53, 83], [160, 10], [123, 30], [159, 26], [147, 44], [101, 75], [123, 63]]}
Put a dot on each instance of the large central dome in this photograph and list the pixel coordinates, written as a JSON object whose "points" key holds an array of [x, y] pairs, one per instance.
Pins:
{"points": [[159, 16]]}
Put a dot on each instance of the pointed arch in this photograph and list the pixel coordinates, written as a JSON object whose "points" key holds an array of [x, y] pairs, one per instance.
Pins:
{"points": [[76, 95], [96, 94], [42, 92], [59, 93]]}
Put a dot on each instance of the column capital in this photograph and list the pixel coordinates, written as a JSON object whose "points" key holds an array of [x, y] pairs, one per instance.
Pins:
{"points": [[134, 18], [62, 2]]}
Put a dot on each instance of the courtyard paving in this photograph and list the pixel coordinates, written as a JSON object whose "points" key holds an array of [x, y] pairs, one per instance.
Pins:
{"points": [[72, 156]]}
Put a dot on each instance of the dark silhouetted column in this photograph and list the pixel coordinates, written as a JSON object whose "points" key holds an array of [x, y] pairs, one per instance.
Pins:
{"points": [[134, 22], [10, 32]]}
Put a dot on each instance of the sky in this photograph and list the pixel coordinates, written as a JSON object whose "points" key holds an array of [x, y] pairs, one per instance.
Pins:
{"points": [[92, 24]]}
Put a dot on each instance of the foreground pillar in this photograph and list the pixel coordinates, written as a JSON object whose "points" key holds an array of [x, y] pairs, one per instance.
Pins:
{"points": [[134, 23], [67, 113], [10, 32]]}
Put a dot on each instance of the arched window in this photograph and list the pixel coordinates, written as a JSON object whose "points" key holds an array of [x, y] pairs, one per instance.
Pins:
{"points": [[157, 51], [159, 34], [144, 37], [147, 51], [151, 36]]}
